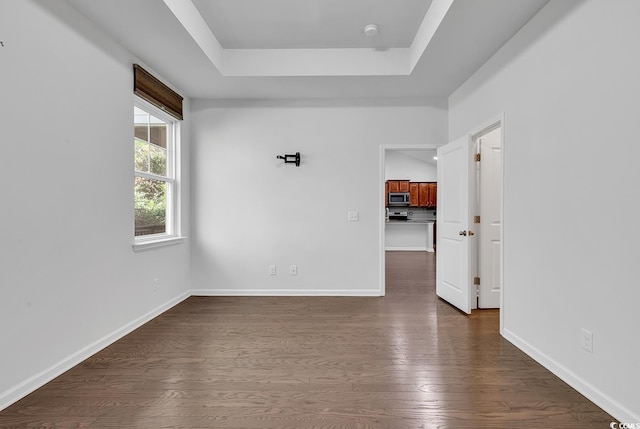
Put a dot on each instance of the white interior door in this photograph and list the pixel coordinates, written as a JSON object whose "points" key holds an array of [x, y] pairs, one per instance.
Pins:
{"points": [[453, 281], [489, 233]]}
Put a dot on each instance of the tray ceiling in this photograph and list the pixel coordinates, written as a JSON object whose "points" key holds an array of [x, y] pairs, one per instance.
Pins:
{"points": [[311, 48]]}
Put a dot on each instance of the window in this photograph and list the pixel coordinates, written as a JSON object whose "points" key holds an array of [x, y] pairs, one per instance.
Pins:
{"points": [[155, 174]]}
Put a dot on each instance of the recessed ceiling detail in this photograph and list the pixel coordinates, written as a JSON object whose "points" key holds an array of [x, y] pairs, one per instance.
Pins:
{"points": [[362, 61], [311, 24], [257, 49]]}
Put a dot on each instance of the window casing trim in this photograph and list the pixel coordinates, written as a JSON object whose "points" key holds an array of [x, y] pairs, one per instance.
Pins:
{"points": [[158, 242], [173, 214]]}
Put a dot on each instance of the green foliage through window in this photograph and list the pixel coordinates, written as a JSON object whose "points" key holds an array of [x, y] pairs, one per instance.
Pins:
{"points": [[150, 158], [150, 206]]}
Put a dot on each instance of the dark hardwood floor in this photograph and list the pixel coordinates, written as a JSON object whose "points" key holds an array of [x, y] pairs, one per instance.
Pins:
{"points": [[408, 360]]}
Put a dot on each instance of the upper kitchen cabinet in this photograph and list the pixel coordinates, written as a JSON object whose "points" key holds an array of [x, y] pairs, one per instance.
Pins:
{"points": [[414, 194], [398, 185], [427, 194], [421, 194]]}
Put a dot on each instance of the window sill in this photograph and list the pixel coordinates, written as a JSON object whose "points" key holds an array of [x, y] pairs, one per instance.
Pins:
{"points": [[159, 242]]}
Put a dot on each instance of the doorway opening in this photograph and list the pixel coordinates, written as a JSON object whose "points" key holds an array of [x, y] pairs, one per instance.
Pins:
{"points": [[390, 169]]}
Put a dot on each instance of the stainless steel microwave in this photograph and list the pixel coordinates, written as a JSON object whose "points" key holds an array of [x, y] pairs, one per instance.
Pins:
{"points": [[399, 198]]}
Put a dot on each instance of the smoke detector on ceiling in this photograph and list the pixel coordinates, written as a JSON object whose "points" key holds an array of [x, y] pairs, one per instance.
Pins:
{"points": [[370, 30]]}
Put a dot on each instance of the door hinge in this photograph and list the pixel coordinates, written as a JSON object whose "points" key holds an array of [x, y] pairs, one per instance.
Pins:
{"points": [[476, 219], [476, 281], [476, 157]]}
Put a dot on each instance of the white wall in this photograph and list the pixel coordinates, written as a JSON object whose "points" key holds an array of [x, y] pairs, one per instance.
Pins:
{"points": [[250, 210], [69, 279], [400, 166], [568, 84]]}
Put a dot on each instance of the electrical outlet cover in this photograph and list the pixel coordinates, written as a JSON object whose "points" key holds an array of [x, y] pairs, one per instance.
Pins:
{"points": [[587, 340]]}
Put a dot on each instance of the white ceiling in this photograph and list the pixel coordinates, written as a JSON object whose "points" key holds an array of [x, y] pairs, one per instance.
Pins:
{"points": [[422, 155], [311, 48], [288, 24]]}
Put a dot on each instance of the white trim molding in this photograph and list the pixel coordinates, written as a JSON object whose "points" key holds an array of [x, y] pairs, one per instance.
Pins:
{"points": [[285, 292], [586, 389], [29, 385], [409, 249]]}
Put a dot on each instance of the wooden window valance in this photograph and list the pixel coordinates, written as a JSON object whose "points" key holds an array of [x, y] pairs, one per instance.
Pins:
{"points": [[148, 87]]}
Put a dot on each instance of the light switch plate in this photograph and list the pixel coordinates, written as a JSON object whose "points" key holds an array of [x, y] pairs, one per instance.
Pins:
{"points": [[354, 216]]}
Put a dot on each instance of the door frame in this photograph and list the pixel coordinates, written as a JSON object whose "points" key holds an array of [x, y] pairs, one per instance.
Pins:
{"points": [[497, 121], [478, 203], [477, 131], [381, 203]]}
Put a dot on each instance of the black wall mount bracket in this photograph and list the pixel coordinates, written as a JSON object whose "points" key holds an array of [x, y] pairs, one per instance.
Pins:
{"points": [[291, 159]]}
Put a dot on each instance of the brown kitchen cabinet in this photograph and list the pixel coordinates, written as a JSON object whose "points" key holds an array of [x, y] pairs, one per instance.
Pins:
{"points": [[414, 194], [427, 194], [398, 185], [432, 199], [422, 194]]}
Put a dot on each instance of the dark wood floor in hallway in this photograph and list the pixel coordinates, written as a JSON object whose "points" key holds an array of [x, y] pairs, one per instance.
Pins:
{"points": [[408, 360]]}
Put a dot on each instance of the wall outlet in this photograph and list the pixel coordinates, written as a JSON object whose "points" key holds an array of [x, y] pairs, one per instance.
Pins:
{"points": [[156, 284], [587, 340], [353, 216], [272, 270], [293, 270]]}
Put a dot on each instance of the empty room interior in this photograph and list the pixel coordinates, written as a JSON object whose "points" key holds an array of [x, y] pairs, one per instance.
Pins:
{"points": [[198, 228]]}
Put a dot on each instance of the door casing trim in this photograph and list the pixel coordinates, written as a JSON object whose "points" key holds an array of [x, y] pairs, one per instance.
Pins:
{"points": [[483, 128]]}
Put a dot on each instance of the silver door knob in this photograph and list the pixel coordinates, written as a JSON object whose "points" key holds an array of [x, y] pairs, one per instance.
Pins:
{"points": [[463, 233]]}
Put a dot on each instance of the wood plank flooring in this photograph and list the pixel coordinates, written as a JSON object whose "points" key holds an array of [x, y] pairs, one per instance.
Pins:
{"points": [[407, 360]]}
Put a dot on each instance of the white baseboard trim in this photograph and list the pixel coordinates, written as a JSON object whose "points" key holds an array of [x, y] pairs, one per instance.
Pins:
{"points": [[21, 390], [595, 395], [408, 249], [29, 385], [284, 292]]}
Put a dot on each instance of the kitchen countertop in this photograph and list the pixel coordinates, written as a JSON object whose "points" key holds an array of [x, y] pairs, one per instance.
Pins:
{"points": [[411, 221]]}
